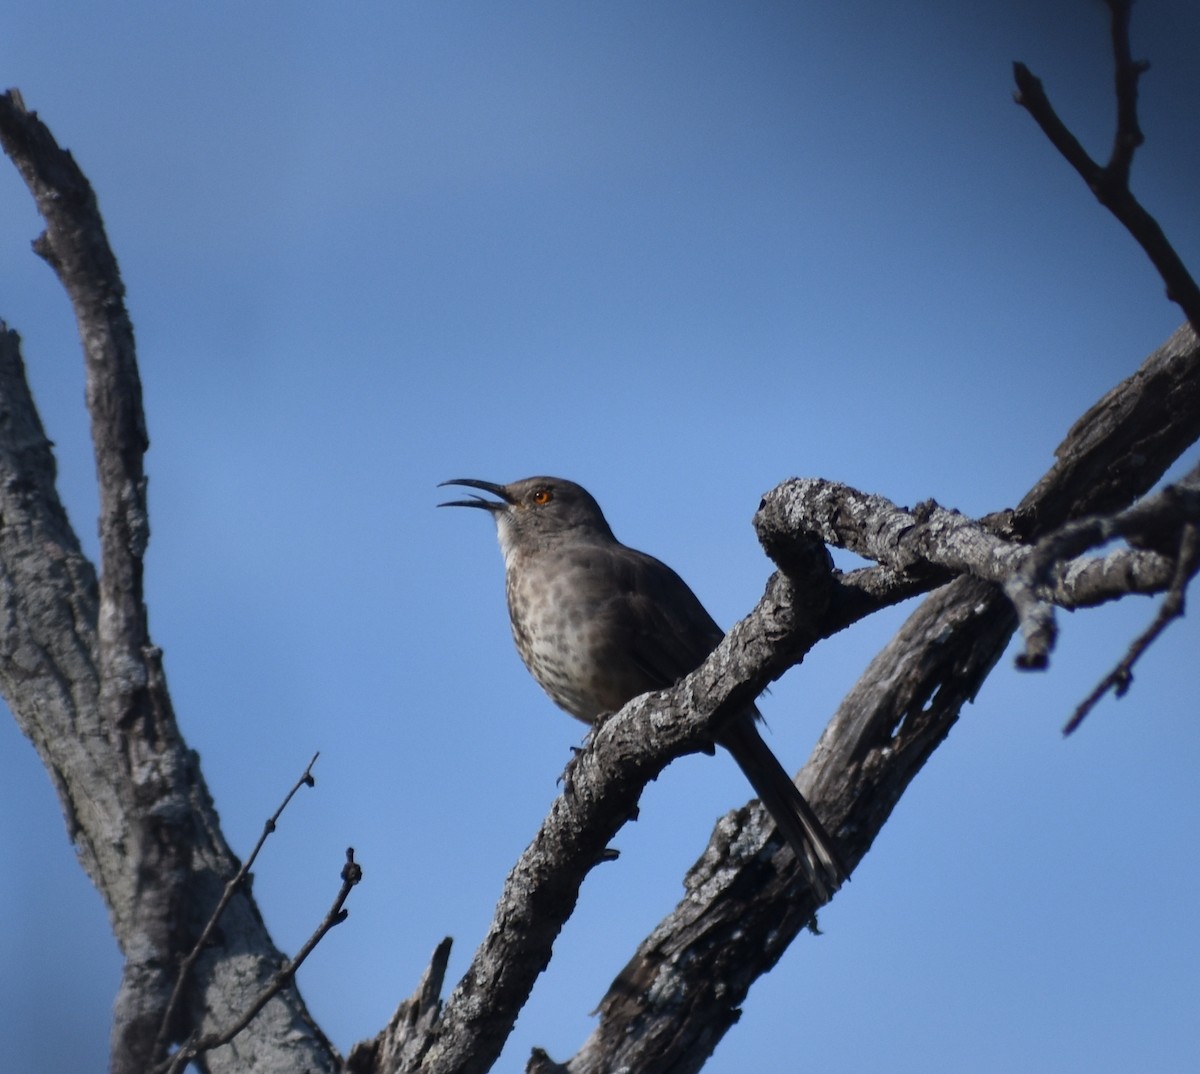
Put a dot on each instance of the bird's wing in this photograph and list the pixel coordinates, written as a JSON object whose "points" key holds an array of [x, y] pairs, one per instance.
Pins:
{"points": [[668, 630]]}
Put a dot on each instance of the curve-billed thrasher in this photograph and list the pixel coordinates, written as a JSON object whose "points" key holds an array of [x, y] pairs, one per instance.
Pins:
{"points": [[598, 623]]}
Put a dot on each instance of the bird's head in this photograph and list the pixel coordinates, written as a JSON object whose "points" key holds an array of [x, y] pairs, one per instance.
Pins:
{"points": [[536, 510]]}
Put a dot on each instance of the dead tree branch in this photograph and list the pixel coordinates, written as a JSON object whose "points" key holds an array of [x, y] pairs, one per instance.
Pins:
{"points": [[336, 914], [1119, 679], [1170, 513], [1110, 182], [931, 543], [231, 887], [86, 684], [413, 1024]]}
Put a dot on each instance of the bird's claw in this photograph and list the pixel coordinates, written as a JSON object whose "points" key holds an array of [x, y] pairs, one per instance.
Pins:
{"points": [[567, 778]]}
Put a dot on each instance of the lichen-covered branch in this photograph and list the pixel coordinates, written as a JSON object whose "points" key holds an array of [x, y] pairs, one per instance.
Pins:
{"points": [[931, 542]]}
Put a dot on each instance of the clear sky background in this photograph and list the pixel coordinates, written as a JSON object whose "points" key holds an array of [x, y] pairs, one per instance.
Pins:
{"points": [[677, 252]]}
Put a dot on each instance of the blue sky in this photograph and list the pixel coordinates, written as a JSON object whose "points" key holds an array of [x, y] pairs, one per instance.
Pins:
{"points": [[677, 253]]}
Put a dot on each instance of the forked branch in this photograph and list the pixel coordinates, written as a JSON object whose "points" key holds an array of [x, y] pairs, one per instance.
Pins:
{"points": [[1110, 181]]}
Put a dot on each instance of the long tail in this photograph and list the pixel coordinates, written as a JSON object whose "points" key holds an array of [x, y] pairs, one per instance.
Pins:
{"points": [[793, 816]]}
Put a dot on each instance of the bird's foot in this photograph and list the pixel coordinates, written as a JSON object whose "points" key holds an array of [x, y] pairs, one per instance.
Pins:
{"points": [[567, 779]]}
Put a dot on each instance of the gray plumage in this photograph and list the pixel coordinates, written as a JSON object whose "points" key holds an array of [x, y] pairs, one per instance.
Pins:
{"points": [[598, 623]]}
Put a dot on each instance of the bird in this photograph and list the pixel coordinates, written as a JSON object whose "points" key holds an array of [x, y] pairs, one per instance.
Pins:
{"points": [[598, 623]]}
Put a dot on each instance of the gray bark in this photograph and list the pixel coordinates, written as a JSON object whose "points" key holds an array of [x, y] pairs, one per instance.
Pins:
{"points": [[85, 682]]}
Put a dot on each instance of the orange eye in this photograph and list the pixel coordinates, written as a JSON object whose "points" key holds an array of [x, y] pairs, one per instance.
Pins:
{"points": [[542, 496]]}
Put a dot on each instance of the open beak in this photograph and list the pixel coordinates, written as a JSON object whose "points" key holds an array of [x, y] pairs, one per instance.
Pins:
{"points": [[478, 501]]}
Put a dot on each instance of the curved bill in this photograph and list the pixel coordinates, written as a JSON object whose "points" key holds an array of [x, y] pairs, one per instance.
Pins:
{"points": [[478, 501]]}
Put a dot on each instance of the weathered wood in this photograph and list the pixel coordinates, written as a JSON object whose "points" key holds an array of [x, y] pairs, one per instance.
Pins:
{"points": [[85, 682]]}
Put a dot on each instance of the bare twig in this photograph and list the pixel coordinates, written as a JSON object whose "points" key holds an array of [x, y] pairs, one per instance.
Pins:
{"points": [[1121, 677], [1110, 182], [1028, 587], [185, 967], [1127, 71], [351, 875]]}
